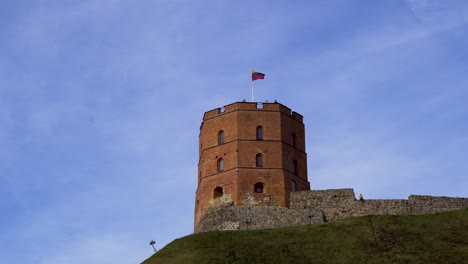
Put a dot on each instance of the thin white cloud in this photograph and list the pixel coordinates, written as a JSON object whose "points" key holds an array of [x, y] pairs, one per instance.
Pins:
{"points": [[439, 14]]}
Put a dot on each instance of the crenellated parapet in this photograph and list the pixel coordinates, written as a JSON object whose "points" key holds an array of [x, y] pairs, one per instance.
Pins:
{"points": [[253, 106]]}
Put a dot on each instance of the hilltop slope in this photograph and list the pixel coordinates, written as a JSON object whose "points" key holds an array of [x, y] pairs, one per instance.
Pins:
{"points": [[438, 238]]}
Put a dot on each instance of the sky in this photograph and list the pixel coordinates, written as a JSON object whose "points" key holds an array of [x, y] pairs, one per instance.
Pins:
{"points": [[101, 103]]}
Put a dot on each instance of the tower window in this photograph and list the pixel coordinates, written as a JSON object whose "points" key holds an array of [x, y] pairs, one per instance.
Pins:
{"points": [[259, 160], [258, 187], [293, 140], [295, 167], [259, 133], [293, 186], [220, 164], [217, 192], [220, 137]]}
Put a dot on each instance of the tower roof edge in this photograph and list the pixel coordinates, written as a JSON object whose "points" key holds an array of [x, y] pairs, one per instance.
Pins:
{"points": [[275, 106]]}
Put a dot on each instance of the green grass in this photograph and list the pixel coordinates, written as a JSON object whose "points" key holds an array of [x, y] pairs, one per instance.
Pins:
{"points": [[438, 238]]}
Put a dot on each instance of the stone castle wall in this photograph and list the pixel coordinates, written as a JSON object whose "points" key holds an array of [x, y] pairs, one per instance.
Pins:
{"points": [[229, 217], [319, 206]]}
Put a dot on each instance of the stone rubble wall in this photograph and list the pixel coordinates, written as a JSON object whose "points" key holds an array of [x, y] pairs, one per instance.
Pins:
{"points": [[341, 203], [424, 204], [229, 217], [322, 205]]}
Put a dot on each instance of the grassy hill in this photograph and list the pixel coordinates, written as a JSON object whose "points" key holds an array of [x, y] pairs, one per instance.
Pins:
{"points": [[438, 238]]}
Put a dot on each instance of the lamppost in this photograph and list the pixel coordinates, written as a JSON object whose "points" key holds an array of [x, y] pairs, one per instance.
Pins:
{"points": [[152, 244]]}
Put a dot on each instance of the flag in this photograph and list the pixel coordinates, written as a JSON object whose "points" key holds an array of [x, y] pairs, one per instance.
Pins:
{"points": [[257, 75]]}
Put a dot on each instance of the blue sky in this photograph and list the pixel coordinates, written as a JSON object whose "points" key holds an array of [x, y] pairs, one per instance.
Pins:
{"points": [[101, 103]]}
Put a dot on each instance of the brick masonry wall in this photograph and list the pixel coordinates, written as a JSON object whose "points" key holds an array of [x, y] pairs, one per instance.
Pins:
{"points": [[239, 123], [323, 205]]}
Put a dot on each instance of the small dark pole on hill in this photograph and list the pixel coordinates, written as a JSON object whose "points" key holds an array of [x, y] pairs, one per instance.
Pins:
{"points": [[248, 221], [310, 220], [375, 239], [152, 242]]}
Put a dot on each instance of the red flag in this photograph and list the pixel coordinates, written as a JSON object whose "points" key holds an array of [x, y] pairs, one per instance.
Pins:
{"points": [[257, 75]]}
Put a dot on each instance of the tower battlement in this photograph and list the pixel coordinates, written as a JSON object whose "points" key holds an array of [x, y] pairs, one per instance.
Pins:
{"points": [[255, 106]]}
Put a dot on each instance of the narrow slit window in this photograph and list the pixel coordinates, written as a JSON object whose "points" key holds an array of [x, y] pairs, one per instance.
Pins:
{"points": [[258, 187], [220, 165], [259, 160], [293, 140], [293, 186], [217, 192], [259, 133], [220, 137], [295, 167]]}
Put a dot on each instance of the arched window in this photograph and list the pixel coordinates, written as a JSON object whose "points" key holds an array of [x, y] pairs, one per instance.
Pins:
{"points": [[220, 137], [217, 192], [259, 160], [295, 167], [258, 187], [293, 140], [293, 186], [259, 133], [220, 164]]}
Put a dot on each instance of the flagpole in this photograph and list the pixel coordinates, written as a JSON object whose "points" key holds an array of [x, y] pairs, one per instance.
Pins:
{"points": [[252, 91], [252, 83]]}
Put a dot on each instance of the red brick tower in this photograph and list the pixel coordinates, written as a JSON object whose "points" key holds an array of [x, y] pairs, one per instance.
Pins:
{"points": [[250, 154]]}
